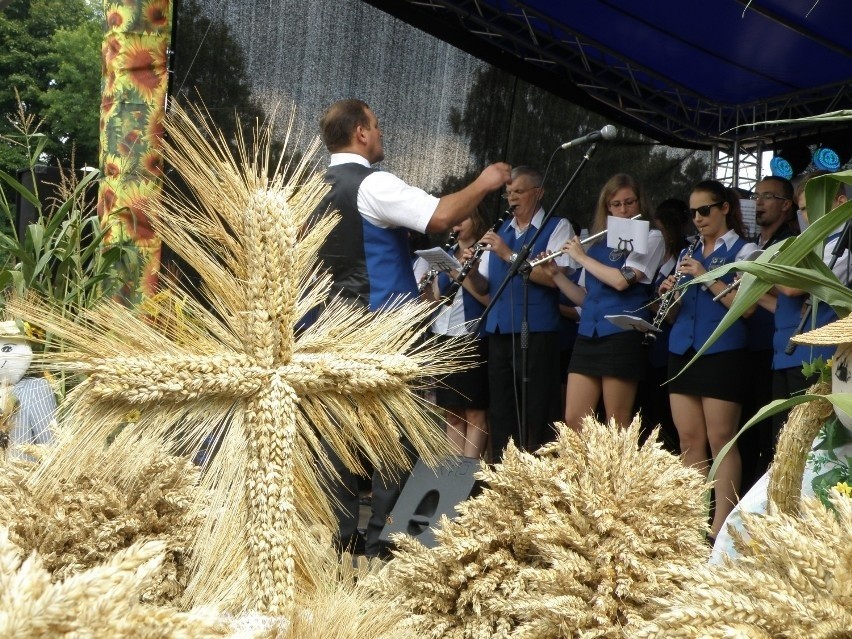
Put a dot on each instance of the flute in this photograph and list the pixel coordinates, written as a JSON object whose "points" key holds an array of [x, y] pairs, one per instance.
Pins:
{"points": [[736, 283], [554, 254]]}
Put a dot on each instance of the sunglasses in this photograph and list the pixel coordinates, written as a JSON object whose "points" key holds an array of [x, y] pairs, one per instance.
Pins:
{"points": [[703, 211]]}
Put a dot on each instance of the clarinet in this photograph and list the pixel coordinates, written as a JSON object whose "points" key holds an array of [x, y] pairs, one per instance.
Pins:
{"points": [[478, 250], [431, 274], [668, 299]]}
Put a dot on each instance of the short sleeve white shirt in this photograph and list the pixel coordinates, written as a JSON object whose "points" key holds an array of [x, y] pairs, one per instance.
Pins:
{"points": [[386, 201]]}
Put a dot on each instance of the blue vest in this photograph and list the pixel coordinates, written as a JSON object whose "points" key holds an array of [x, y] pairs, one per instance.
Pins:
{"points": [[367, 263], [699, 314], [472, 307], [602, 299], [788, 315], [543, 310]]}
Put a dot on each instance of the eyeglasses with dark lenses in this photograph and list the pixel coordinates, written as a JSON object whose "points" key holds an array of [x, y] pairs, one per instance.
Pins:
{"points": [[766, 196], [704, 211]]}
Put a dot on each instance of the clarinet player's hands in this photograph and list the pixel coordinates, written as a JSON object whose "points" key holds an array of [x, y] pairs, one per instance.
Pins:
{"points": [[494, 243], [666, 285]]}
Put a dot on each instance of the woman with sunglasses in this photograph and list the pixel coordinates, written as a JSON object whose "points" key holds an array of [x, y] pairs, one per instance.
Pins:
{"points": [[608, 362], [706, 399]]}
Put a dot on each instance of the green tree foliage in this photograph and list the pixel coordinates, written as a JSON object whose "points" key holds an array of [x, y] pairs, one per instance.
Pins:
{"points": [[50, 56], [507, 119]]}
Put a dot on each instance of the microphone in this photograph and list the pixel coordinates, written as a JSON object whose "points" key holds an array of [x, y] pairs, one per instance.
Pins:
{"points": [[606, 133]]}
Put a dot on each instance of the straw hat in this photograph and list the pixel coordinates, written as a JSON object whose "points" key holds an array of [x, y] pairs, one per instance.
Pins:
{"points": [[838, 332]]}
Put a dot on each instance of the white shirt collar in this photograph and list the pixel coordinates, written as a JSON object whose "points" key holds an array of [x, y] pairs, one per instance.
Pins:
{"points": [[728, 238], [535, 221], [348, 158]]}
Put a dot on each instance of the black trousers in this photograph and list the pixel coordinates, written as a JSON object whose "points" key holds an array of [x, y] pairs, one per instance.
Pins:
{"points": [[344, 493], [505, 378]]}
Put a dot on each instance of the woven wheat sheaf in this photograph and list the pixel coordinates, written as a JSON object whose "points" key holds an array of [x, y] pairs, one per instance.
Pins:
{"points": [[103, 601], [570, 542], [793, 581], [88, 521], [237, 374]]}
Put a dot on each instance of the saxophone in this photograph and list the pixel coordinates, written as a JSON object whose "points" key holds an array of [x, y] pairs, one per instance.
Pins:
{"points": [[669, 298], [431, 274]]}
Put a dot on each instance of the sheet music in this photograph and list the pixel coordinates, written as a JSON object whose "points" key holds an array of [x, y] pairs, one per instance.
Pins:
{"points": [[439, 259], [625, 234], [632, 323]]}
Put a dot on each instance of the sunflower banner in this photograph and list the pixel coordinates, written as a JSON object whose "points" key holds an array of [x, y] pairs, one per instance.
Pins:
{"points": [[134, 85]]}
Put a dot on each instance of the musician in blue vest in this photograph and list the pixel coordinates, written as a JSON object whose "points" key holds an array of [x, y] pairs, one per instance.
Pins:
{"points": [[503, 323], [706, 399], [368, 257], [608, 362], [775, 216], [787, 376], [463, 394]]}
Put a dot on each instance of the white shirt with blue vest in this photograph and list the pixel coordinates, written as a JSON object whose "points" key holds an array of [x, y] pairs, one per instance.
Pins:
{"points": [[699, 314]]}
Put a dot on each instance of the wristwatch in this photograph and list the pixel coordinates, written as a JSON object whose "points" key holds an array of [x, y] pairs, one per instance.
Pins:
{"points": [[628, 274], [512, 258]]}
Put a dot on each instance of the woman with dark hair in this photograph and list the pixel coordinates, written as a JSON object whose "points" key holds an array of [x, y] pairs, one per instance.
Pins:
{"points": [[464, 395], [706, 399], [671, 218], [608, 362]]}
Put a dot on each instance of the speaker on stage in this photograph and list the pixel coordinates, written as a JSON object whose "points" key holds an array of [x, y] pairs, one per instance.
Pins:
{"points": [[428, 494]]}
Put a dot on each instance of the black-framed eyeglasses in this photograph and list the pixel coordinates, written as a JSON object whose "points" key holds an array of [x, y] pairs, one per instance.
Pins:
{"points": [[617, 204], [766, 196], [508, 194], [704, 211]]}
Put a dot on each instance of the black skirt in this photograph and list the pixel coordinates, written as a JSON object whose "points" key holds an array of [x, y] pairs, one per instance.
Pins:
{"points": [[719, 375], [619, 355], [467, 388]]}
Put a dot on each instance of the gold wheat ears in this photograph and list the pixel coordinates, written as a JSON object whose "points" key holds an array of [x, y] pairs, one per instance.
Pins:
{"points": [[236, 370]]}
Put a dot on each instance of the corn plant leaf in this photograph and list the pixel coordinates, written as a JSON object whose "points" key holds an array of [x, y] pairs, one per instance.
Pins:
{"points": [[790, 253], [840, 401], [23, 191]]}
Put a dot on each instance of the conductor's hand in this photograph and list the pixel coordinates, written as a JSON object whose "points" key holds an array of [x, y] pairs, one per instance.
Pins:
{"points": [[494, 243], [495, 176]]}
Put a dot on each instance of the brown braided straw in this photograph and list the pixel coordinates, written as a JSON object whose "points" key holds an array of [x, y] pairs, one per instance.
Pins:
{"points": [[234, 369], [794, 444]]}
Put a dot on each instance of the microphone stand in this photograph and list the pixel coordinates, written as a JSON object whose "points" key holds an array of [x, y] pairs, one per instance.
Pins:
{"points": [[522, 266], [844, 242]]}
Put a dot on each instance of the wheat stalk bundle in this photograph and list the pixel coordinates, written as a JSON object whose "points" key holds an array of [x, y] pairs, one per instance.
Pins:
{"points": [[566, 543], [238, 372], [86, 522], [103, 601], [793, 581]]}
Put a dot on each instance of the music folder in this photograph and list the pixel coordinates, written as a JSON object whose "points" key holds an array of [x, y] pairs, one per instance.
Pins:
{"points": [[632, 323], [439, 259]]}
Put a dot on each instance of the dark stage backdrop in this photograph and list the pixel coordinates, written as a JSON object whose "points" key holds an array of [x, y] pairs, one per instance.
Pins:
{"points": [[445, 114]]}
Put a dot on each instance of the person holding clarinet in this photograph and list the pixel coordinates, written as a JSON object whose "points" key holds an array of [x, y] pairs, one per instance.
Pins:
{"points": [[706, 398], [461, 297]]}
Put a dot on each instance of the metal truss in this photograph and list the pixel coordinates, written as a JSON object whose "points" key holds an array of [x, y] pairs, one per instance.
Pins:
{"points": [[737, 166], [569, 61]]}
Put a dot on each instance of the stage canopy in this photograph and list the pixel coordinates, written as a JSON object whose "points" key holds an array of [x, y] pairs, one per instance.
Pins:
{"points": [[684, 72]]}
